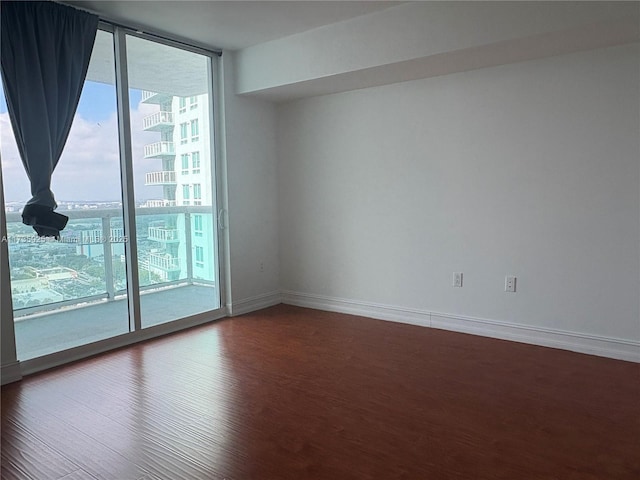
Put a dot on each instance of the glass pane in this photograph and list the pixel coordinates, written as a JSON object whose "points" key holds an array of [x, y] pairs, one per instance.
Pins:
{"points": [[173, 166], [71, 292]]}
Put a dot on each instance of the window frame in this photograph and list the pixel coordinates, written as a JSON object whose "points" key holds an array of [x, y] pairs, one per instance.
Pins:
{"points": [[197, 225], [199, 256], [184, 158], [218, 179], [197, 194], [195, 162], [195, 130], [184, 132]]}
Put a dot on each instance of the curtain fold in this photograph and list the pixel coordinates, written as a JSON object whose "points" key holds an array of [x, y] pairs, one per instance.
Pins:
{"points": [[45, 52]]}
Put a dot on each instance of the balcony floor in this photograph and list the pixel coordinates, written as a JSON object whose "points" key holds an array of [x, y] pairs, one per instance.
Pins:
{"points": [[45, 333]]}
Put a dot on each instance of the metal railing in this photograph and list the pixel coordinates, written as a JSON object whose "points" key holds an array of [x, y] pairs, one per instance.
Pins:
{"points": [[155, 97], [161, 118], [164, 177], [163, 234], [111, 236], [146, 95], [159, 149], [159, 203], [96, 236], [164, 261]]}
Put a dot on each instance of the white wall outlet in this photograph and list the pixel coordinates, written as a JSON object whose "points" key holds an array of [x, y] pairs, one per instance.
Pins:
{"points": [[457, 279], [510, 284], [262, 266]]}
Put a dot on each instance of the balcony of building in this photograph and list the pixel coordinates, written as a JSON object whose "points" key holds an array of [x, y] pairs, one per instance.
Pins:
{"points": [[158, 122], [159, 203], [159, 150], [155, 97], [163, 234], [164, 261], [160, 178], [74, 295]]}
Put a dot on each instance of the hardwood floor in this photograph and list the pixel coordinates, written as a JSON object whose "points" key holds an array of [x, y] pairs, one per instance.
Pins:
{"points": [[291, 393]]}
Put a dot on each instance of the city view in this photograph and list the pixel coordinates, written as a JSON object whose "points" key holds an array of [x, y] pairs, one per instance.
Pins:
{"points": [[73, 291], [173, 232], [45, 271], [73, 267], [80, 289]]}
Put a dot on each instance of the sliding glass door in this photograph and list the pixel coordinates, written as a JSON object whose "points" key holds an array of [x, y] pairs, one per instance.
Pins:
{"points": [[75, 291], [53, 282], [170, 93]]}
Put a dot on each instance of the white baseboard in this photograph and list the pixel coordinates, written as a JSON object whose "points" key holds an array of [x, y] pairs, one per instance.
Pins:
{"points": [[371, 310], [252, 304], [10, 373], [546, 337]]}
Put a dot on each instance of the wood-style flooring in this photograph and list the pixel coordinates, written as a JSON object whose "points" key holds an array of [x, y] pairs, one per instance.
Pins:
{"points": [[292, 393]]}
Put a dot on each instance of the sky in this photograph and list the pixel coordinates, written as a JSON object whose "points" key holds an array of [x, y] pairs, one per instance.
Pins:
{"points": [[89, 167]]}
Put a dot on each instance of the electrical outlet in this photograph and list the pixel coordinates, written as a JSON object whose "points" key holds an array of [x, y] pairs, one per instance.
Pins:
{"points": [[262, 266], [457, 279], [510, 284]]}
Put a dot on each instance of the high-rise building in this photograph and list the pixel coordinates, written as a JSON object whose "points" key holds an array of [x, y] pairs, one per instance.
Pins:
{"points": [[91, 243], [183, 239]]}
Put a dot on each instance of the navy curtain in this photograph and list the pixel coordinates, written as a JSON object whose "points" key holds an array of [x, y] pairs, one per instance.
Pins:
{"points": [[45, 53]]}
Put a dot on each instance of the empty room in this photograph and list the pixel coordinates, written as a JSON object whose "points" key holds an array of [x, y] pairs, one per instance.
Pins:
{"points": [[331, 240]]}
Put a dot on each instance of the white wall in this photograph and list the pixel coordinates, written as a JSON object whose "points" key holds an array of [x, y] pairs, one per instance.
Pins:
{"points": [[250, 144], [530, 169], [422, 39]]}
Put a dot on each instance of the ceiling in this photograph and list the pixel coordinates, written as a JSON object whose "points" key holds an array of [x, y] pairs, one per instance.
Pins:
{"points": [[348, 45], [229, 25]]}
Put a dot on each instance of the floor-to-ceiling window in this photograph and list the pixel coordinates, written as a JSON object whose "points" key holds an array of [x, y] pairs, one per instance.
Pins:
{"points": [[172, 158], [77, 290]]}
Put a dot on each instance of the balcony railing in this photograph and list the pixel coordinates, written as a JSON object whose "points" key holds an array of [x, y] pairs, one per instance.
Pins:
{"points": [[96, 236], [164, 262], [159, 203], [155, 97], [50, 293], [159, 149], [160, 178], [159, 121], [163, 234]]}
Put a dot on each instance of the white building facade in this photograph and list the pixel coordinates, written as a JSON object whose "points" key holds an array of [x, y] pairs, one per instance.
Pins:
{"points": [[184, 246]]}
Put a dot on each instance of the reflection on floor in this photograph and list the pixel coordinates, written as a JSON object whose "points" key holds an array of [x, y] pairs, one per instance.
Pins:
{"points": [[41, 334]]}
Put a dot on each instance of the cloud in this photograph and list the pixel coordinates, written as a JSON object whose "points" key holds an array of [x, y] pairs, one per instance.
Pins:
{"points": [[89, 168], [14, 177]]}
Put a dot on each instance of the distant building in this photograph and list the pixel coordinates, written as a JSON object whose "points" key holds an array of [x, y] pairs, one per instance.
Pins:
{"points": [[36, 288], [27, 285], [91, 242], [56, 273], [185, 244]]}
